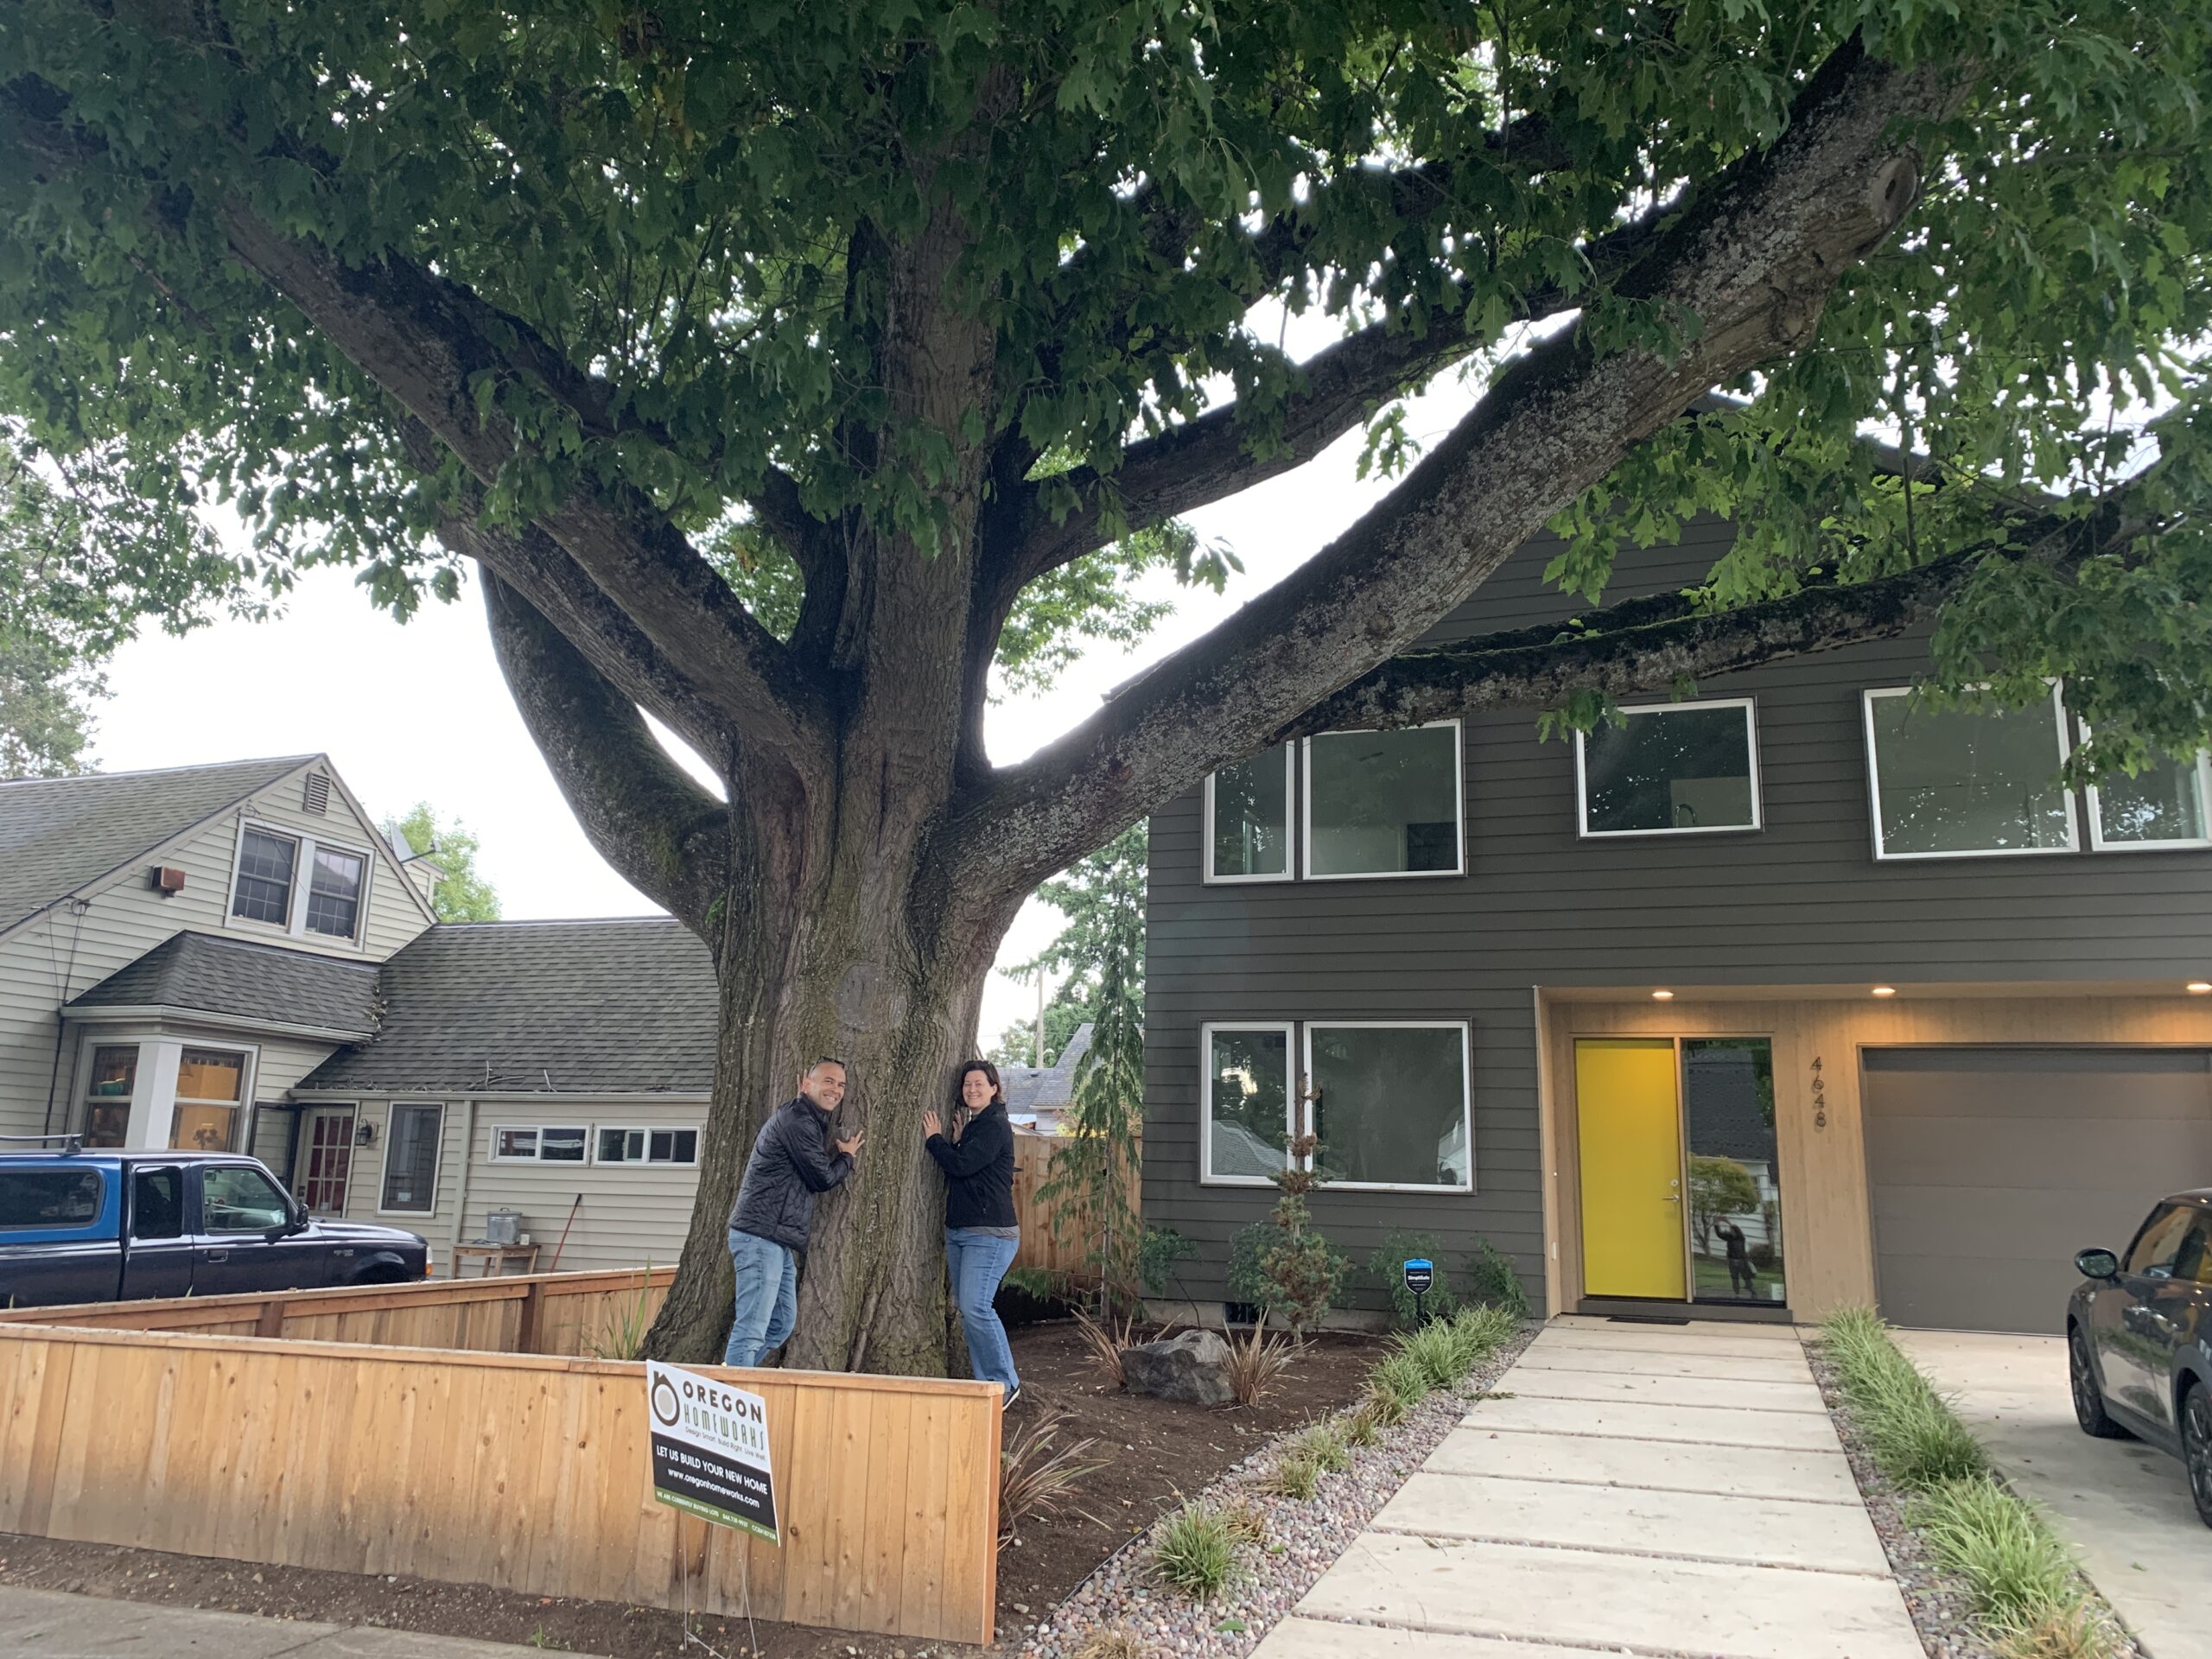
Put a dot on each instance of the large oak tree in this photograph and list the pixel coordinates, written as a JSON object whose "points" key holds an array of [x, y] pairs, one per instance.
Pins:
{"points": [[781, 367]]}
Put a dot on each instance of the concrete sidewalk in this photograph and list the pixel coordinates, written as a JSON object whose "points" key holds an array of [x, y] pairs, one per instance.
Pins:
{"points": [[45, 1624], [2124, 1506], [1628, 1488]]}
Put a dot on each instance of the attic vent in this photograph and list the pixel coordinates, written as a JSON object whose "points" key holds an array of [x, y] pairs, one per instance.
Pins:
{"points": [[318, 794]]}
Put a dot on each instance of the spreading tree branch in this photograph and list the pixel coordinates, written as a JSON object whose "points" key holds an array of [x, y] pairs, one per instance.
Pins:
{"points": [[1745, 270], [665, 835]]}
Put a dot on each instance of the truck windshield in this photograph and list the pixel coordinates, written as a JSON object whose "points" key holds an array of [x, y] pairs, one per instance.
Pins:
{"points": [[48, 1198]]}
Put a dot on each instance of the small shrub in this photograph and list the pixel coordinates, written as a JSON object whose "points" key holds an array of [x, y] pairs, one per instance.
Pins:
{"points": [[2069, 1633], [1296, 1475], [1246, 1525], [622, 1336], [1491, 1282], [2016, 1569], [1324, 1445], [1197, 1550], [1041, 1284], [1257, 1364], [1039, 1475], [1435, 1352], [1105, 1344], [1911, 1429], [1159, 1252], [1388, 1266], [1389, 1409], [1112, 1644], [1400, 1380], [1480, 1332], [1365, 1426]]}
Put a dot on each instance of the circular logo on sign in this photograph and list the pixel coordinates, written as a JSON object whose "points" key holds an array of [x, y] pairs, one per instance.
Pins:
{"points": [[666, 1407]]}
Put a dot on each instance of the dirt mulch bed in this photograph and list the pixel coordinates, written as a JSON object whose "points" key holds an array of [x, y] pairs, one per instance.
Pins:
{"points": [[1156, 1453]]}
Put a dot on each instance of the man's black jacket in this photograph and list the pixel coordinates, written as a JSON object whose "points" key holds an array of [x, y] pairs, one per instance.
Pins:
{"points": [[792, 1161]]}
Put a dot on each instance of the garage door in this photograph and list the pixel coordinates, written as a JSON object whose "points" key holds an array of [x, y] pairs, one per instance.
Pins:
{"points": [[1988, 1168]]}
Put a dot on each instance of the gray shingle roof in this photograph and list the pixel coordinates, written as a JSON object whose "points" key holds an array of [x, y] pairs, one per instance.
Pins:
{"points": [[1049, 1088], [58, 834], [596, 1008], [265, 983]]}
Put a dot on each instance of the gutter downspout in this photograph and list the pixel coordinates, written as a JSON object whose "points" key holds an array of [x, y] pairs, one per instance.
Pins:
{"points": [[461, 1183], [60, 1015]]}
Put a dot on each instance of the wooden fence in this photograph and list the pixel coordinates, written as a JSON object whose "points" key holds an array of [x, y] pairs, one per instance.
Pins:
{"points": [[1035, 1157], [458, 1462], [568, 1314]]}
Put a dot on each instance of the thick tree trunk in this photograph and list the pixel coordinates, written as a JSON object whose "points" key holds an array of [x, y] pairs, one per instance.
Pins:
{"points": [[846, 973]]}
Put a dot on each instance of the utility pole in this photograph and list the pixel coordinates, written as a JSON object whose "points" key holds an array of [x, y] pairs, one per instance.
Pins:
{"points": [[1037, 1047]]}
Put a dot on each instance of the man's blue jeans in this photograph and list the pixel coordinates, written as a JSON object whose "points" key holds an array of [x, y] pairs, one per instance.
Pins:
{"points": [[976, 1262], [767, 1297]]}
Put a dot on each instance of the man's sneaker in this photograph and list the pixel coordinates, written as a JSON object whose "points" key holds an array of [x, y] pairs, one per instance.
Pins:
{"points": [[1012, 1394]]}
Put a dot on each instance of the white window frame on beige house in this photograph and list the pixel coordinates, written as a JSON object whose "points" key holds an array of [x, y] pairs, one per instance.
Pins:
{"points": [[305, 845], [154, 1098]]}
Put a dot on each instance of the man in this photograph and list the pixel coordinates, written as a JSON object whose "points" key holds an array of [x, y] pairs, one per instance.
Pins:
{"points": [[792, 1161]]}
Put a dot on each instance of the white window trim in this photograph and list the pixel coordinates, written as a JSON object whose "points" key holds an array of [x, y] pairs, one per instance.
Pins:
{"points": [[1749, 705], [648, 1130], [248, 1079], [2099, 844], [392, 1107], [1290, 818], [1459, 811], [2073, 843], [295, 926], [1289, 1034], [493, 1155], [1466, 1096]]}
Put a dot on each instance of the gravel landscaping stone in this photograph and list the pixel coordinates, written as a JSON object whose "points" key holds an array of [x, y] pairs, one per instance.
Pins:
{"points": [[1303, 1540], [1942, 1609]]}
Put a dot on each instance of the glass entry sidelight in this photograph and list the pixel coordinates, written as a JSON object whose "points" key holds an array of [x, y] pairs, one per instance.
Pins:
{"points": [[1681, 1196], [326, 1161], [1735, 1194]]}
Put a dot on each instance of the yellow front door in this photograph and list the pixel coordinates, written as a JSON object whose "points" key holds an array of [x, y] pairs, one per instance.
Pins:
{"points": [[1628, 1110]]}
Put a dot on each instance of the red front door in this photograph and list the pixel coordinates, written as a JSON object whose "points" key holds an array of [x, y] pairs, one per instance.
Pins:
{"points": [[329, 1160]]}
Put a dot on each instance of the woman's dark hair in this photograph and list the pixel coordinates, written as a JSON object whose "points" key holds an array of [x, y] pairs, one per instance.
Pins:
{"points": [[960, 1082]]}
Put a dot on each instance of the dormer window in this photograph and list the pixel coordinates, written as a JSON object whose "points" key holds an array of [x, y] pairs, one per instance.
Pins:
{"points": [[268, 890]]}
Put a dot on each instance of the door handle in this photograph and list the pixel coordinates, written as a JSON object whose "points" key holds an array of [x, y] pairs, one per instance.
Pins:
{"points": [[219, 1255], [1674, 1197]]}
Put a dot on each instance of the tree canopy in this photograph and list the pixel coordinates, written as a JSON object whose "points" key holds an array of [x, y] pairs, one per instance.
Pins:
{"points": [[461, 894], [788, 371]]}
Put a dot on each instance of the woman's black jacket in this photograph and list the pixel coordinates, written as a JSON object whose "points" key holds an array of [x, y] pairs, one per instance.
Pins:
{"points": [[978, 1171]]}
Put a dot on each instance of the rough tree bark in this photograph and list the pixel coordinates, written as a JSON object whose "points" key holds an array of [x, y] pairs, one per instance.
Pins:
{"points": [[856, 873]]}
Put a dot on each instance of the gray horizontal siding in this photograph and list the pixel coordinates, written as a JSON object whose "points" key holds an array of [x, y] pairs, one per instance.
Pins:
{"points": [[1800, 901]]}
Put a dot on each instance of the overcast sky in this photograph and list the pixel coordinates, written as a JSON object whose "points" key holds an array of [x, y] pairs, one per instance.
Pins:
{"points": [[419, 712]]}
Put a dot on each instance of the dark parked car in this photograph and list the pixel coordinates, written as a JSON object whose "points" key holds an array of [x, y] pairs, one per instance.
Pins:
{"points": [[115, 1226], [2138, 1338]]}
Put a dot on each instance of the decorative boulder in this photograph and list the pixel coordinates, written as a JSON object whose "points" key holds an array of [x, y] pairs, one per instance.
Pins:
{"points": [[1192, 1368]]}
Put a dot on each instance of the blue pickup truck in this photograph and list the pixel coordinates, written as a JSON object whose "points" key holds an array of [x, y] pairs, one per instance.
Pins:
{"points": [[116, 1226]]}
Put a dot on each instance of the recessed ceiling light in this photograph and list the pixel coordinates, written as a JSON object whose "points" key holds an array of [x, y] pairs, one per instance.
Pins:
{"points": [[1885, 990], [1668, 996], [2199, 986]]}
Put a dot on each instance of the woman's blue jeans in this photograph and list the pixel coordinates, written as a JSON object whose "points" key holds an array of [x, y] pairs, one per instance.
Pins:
{"points": [[977, 1261]]}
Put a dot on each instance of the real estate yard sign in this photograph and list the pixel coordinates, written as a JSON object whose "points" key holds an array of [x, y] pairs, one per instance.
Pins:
{"points": [[710, 1449]]}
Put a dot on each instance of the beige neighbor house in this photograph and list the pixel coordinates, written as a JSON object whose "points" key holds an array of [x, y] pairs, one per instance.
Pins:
{"points": [[232, 957]]}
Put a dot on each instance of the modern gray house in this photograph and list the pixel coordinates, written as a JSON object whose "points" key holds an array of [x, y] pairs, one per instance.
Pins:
{"points": [[1795, 994]]}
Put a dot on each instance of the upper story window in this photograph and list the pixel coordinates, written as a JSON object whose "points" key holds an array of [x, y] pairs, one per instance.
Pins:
{"points": [[1248, 819], [2162, 806], [1384, 802], [268, 887], [1948, 782], [1671, 768]]}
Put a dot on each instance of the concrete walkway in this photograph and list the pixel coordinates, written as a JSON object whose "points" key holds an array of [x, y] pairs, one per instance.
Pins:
{"points": [[1627, 1488], [2125, 1508], [45, 1624]]}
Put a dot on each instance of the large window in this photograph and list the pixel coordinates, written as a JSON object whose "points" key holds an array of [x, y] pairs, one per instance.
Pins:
{"points": [[1734, 1170], [1247, 1091], [35, 1199], [1383, 803], [1392, 1105], [268, 887], [1949, 783], [1248, 819], [2162, 806], [1671, 769], [107, 1105], [621, 1146], [410, 1160], [210, 1088]]}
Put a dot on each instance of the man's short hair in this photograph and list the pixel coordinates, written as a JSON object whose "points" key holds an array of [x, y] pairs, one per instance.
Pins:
{"points": [[827, 1059]]}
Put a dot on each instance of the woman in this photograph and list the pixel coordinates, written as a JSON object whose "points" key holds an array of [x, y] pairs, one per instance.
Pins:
{"points": [[981, 1233]]}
